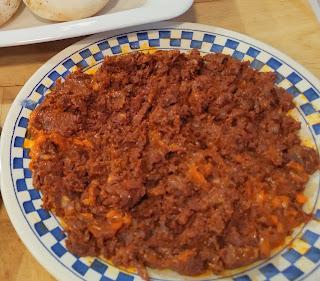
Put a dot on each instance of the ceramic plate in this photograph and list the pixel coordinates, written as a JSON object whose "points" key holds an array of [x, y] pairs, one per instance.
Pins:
{"points": [[41, 231], [26, 28]]}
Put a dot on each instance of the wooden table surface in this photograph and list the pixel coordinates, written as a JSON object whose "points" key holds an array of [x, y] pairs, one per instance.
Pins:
{"points": [[288, 25]]}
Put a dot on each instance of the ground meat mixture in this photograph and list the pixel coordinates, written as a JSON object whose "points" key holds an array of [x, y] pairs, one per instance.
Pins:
{"points": [[171, 160]]}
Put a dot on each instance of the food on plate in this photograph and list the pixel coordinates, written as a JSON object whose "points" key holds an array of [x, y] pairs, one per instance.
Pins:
{"points": [[7, 9], [65, 10], [172, 160]]}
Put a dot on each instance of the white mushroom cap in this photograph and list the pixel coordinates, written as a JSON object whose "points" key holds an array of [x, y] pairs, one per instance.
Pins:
{"points": [[65, 10], [8, 9]]}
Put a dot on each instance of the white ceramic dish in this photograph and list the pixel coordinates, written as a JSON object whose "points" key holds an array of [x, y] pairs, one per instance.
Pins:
{"points": [[41, 231], [315, 5], [26, 28]]}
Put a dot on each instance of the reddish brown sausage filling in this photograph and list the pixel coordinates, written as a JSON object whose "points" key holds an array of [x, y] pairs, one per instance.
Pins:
{"points": [[172, 160]]}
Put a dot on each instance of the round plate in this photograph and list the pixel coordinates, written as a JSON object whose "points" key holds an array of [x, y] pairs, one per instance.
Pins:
{"points": [[42, 232]]}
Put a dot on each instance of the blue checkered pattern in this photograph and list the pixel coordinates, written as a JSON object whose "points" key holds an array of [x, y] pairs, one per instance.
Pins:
{"points": [[291, 264]]}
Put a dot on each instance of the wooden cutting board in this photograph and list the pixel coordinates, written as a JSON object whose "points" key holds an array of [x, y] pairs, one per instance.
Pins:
{"points": [[288, 25]]}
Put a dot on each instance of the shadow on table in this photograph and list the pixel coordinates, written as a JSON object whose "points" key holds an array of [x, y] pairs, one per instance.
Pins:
{"points": [[188, 16]]}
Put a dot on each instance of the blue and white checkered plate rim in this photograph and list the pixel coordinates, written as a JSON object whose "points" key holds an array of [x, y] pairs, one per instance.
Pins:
{"points": [[41, 231]]}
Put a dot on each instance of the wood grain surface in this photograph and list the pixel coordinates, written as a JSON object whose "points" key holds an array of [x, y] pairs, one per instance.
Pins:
{"points": [[288, 25]]}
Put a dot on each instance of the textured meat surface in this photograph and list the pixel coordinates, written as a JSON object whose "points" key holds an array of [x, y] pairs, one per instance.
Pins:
{"points": [[172, 160]]}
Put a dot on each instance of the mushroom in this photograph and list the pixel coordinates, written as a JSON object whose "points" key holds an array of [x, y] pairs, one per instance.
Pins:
{"points": [[8, 9], [65, 10]]}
